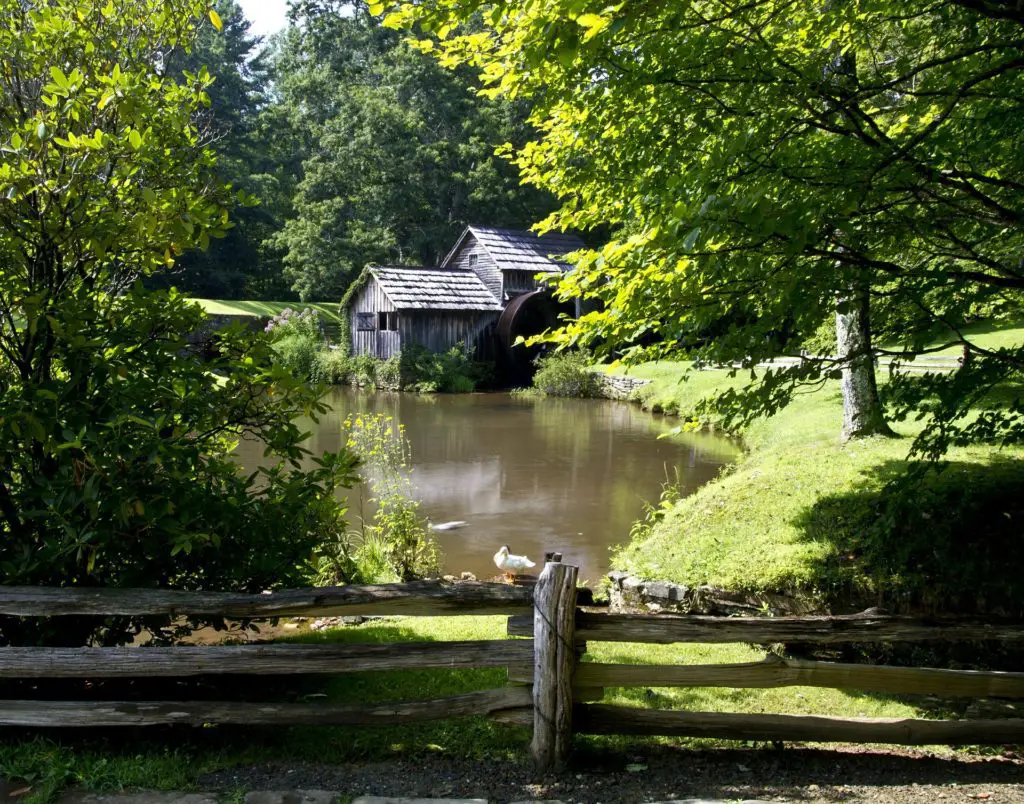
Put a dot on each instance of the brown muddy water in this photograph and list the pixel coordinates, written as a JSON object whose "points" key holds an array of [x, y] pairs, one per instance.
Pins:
{"points": [[537, 474]]}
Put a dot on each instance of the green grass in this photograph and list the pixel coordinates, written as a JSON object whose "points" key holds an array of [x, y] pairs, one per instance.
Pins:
{"points": [[842, 524], [261, 309], [987, 335], [174, 758]]}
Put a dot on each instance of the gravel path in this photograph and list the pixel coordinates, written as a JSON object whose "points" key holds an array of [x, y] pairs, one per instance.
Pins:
{"points": [[793, 774]]}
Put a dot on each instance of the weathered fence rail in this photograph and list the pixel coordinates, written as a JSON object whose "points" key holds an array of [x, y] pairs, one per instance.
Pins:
{"points": [[420, 598], [667, 629], [550, 682]]}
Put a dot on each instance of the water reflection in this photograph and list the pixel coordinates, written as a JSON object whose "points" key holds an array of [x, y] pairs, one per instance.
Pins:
{"points": [[549, 474]]}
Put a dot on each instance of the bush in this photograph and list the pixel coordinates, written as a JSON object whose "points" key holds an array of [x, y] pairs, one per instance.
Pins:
{"points": [[388, 373], [398, 531], [566, 374], [450, 372], [297, 352], [297, 339], [331, 366], [120, 472], [364, 369]]}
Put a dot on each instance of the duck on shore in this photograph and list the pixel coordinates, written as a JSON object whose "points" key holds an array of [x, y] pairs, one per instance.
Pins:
{"points": [[511, 564]]}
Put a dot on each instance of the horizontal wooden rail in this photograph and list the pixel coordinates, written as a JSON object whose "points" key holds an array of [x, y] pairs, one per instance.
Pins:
{"points": [[604, 719], [409, 599], [666, 629], [794, 672], [69, 714], [187, 660]]}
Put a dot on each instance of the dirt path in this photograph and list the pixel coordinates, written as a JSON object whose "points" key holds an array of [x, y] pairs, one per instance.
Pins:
{"points": [[793, 774]]}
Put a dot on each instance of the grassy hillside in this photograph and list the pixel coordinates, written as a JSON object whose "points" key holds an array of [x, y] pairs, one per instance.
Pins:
{"points": [[329, 310], [801, 511]]}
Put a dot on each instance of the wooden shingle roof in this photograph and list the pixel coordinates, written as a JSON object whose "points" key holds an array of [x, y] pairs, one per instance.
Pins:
{"points": [[515, 249], [434, 289]]}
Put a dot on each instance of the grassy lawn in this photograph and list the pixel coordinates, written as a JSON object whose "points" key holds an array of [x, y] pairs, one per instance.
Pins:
{"points": [[260, 309], [174, 758], [801, 512], [987, 335]]}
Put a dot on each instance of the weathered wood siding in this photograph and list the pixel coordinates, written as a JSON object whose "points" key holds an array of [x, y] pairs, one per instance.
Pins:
{"points": [[485, 267], [372, 299], [440, 330], [519, 281]]}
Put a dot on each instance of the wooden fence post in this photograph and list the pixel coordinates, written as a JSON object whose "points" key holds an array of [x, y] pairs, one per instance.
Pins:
{"points": [[554, 660]]}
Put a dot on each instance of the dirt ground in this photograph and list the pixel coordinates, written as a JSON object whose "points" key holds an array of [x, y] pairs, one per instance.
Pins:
{"points": [[790, 774]]}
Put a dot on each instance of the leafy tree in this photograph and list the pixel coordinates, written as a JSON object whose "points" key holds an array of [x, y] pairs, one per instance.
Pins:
{"points": [[400, 152], [117, 429], [248, 148], [769, 165]]}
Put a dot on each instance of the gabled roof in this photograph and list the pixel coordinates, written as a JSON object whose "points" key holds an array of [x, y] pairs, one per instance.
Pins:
{"points": [[515, 249], [434, 289]]}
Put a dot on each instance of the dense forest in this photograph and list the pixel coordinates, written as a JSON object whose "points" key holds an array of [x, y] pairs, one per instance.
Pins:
{"points": [[356, 148]]}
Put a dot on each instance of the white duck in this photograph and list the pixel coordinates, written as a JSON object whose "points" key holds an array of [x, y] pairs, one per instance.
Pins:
{"points": [[510, 563]]}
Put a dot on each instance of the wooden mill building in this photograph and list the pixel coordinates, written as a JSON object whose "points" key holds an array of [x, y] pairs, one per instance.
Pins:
{"points": [[485, 286]]}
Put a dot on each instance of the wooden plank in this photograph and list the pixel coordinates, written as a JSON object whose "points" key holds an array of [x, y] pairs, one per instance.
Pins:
{"points": [[187, 660], [604, 719], [519, 716], [554, 658], [776, 672], [72, 714], [420, 598], [666, 629]]}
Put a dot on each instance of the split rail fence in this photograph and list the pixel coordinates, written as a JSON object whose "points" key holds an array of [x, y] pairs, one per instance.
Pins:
{"points": [[549, 686]]}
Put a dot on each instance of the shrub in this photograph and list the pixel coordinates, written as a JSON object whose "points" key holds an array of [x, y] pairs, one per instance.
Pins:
{"points": [[398, 530], [331, 366], [364, 369], [297, 352], [451, 371], [121, 472], [297, 338], [388, 373], [566, 374]]}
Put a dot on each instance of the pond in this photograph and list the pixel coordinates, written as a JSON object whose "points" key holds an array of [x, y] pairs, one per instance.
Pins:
{"points": [[537, 474]]}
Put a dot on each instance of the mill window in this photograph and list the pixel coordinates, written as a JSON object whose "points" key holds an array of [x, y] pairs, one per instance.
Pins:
{"points": [[365, 322], [387, 322]]}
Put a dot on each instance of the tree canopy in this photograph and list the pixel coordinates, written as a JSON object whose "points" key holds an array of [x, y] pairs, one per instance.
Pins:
{"points": [[118, 415], [766, 165], [398, 152]]}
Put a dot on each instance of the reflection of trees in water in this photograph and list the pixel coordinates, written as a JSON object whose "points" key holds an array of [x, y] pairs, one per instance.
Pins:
{"points": [[535, 473]]}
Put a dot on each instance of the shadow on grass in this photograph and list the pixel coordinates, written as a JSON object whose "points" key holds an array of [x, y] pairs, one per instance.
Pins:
{"points": [[935, 540]]}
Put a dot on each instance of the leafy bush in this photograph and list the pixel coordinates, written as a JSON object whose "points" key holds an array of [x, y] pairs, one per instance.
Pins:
{"points": [[398, 529], [297, 352], [451, 371], [566, 374], [364, 369], [388, 373], [331, 366], [118, 470], [297, 339]]}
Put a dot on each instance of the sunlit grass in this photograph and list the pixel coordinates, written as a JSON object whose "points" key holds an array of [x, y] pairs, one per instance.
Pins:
{"points": [[263, 309], [799, 503]]}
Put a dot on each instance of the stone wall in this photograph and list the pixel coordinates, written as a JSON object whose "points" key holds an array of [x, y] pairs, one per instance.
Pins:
{"points": [[618, 386], [631, 594]]}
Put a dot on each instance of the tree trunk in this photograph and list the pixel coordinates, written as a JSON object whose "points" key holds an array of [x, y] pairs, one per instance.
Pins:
{"points": [[862, 409]]}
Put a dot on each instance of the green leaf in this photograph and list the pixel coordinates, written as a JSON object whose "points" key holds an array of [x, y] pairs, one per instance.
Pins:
{"points": [[58, 77], [376, 9], [135, 139], [41, 131]]}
